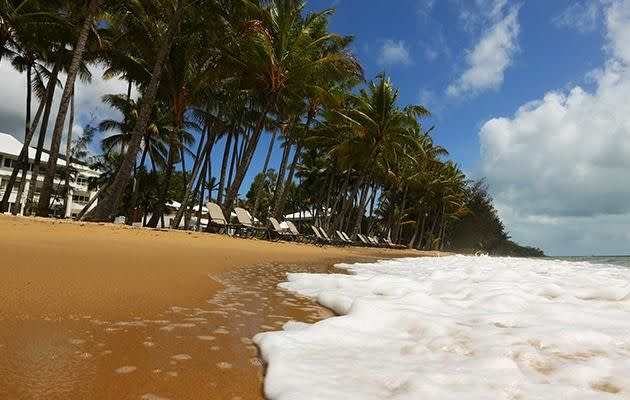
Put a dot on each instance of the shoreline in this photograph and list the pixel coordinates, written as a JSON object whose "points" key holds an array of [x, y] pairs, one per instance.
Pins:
{"points": [[110, 311]]}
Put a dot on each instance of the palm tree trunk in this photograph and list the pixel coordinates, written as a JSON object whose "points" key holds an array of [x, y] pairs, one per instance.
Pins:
{"points": [[201, 160], [50, 94], [224, 165], [401, 214], [136, 178], [412, 241], [158, 212], [22, 162], [284, 192], [246, 160], [340, 195], [282, 171], [264, 171], [361, 211], [371, 213], [233, 162], [68, 154], [43, 207], [106, 209]]}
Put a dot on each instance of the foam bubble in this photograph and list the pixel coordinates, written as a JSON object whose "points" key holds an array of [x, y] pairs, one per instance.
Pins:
{"points": [[457, 328], [126, 369]]}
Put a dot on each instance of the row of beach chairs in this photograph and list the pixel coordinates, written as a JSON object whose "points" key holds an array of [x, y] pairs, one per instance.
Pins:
{"points": [[248, 226]]}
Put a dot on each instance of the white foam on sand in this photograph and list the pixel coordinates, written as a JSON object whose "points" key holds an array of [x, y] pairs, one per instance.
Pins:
{"points": [[457, 328]]}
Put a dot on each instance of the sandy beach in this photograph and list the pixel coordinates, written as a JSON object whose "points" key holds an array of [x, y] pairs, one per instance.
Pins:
{"points": [[112, 312]]}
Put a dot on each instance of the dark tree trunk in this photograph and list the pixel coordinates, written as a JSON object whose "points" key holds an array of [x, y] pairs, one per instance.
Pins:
{"points": [[106, 209], [416, 230], [244, 163], [401, 214], [50, 94], [158, 212], [22, 161], [361, 211], [224, 165], [340, 196], [261, 184], [282, 171], [357, 186], [282, 198], [200, 160], [43, 207], [68, 155]]}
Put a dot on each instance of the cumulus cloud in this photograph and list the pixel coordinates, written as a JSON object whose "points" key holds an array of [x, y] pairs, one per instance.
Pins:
{"points": [[582, 17], [394, 52], [559, 167], [88, 105], [491, 56]]}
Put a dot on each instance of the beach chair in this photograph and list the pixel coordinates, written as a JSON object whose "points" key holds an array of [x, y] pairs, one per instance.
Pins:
{"points": [[374, 241], [246, 224], [319, 238], [393, 245], [341, 237], [364, 240], [294, 230], [347, 239], [217, 219], [279, 232], [330, 240]]}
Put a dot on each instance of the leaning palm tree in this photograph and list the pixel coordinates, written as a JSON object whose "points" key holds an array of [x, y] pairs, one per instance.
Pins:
{"points": [[107, 207], [90, 11]]}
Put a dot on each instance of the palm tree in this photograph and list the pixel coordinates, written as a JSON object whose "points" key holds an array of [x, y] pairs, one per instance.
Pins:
{"points": [[280, 54], [107, 207], [43, 207]]}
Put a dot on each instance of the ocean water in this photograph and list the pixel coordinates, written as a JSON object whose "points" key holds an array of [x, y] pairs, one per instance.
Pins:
{"points": [[623, 261], [458, 328]]}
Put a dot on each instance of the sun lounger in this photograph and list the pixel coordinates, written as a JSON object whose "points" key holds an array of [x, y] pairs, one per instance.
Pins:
{"points": [[393, 245], [294, 230], [347, 239], [365, 240], [246, 224], [319, 238], [374, 241], [333, 241], [217, 219], [280, 232], [343, 238]]}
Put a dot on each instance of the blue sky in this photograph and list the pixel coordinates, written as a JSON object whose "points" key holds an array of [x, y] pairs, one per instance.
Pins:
{"points": [[532, 95]]}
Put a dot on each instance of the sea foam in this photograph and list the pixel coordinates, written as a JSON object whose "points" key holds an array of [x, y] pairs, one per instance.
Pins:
{"points": [[457, 328]]}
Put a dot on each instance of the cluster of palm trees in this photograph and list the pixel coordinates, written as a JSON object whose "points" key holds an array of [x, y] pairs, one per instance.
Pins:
{"points": [[227, 72]]}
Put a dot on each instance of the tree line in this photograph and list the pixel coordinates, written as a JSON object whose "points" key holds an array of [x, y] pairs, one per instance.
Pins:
{"points": [[225, 73]]}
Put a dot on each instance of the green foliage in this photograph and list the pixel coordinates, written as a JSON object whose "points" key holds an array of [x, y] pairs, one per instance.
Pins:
{"points": [[482, 230]]}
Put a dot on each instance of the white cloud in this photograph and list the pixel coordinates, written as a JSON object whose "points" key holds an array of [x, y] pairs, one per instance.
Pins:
{"points": [[88, 105], [491, 56], [558, 168], [394, 52], [582, 17]]}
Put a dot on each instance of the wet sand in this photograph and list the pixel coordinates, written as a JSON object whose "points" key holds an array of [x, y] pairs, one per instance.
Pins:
{"points": [[111, 312]]}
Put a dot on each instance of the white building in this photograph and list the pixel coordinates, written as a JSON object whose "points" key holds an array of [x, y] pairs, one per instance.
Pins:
{"points": [[79, 194]]}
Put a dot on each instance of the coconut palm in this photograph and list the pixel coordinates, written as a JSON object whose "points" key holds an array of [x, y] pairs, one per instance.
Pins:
{"points": [[107, 207], [91, 9]]}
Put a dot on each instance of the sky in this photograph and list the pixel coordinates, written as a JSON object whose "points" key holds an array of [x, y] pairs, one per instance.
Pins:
{"points": [[531, 95]]}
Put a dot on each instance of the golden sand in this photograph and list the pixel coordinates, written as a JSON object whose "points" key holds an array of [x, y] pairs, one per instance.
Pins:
{"points": [[98, 311]]}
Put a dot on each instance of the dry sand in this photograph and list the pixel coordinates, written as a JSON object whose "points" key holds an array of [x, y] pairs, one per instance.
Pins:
{"points": [[101, 311]]}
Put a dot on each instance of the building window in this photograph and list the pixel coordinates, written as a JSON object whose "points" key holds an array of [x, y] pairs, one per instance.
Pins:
{"points": [[8, 163], [82, 180], [78, 199]]}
